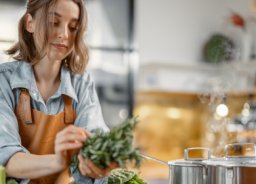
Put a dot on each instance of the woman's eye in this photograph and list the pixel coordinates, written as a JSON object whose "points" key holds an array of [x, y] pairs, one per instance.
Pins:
{"points": [[54, 23], [73, 29]]}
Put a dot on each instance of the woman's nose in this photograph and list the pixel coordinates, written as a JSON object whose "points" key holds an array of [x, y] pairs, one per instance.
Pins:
{"points": [[63, 32]]}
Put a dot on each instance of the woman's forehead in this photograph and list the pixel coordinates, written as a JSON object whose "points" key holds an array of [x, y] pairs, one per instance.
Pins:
{"points": [[65, 8]]}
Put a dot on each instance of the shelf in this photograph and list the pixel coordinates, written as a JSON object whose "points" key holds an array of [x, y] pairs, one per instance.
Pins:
{"points": [[230, 77]]}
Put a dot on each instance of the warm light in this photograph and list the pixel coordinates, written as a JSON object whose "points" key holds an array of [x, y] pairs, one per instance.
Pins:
{"points": [[144, 111], [173, 113], [222, 110], [246, 110]]}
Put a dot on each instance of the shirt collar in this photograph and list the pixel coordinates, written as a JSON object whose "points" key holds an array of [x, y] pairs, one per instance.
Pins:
{"points": [[66, 84], [24, 77]]}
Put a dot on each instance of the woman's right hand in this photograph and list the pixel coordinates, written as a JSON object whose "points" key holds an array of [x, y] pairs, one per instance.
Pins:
{"points": [[68, 140]]}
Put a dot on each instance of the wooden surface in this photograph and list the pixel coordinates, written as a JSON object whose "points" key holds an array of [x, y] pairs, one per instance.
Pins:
{"points": [[171, 122]]}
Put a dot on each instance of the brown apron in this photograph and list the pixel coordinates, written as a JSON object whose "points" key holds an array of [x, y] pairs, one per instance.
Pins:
{"points": [[38, 130]]}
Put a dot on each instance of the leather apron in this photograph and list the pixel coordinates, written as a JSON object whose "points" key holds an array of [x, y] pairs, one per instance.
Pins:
{"points": [[38, 131]]}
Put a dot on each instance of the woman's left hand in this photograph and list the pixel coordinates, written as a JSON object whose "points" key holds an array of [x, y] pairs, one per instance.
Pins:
{"points": [[89, 169]]}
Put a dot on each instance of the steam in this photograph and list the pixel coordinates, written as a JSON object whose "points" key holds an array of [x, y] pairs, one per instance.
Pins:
{"points": [[216, 125], [213, 94]]}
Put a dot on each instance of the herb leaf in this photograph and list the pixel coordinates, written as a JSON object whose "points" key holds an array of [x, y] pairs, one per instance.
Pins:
{"points": [[102, 148]]}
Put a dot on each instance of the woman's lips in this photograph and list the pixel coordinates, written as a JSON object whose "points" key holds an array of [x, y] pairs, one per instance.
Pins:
{"points": [[59, 46]]}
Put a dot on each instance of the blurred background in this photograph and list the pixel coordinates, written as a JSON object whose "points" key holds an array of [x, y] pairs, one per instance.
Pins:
{"points": [[186, 69]]}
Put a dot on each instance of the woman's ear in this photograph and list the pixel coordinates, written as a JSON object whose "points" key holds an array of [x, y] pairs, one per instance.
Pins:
{"points": [[29, 23]]}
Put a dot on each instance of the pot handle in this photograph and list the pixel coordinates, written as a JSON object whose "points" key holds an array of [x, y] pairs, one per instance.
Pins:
{"points": [[187, 150], [154, 159], [240, 150]]}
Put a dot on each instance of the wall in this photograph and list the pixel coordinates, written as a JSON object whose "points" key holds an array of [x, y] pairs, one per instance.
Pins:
{"points": [[9, 17], [107, 23], [174, 31], [170, 36]]}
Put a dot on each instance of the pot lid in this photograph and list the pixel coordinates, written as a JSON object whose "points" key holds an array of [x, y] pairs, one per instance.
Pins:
{"points": [[187, 163], [237, 155], [232, 162], [190, 161]]}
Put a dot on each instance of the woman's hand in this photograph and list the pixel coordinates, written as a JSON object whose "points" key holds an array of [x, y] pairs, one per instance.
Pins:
{"points": [[68, 140], [89, 169]]}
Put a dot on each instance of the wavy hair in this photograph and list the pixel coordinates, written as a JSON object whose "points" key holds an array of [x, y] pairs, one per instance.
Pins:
{"points": [[25, 49]]}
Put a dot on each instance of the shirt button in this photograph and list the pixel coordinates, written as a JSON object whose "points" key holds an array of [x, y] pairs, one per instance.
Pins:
{"points": [[34, 94]]}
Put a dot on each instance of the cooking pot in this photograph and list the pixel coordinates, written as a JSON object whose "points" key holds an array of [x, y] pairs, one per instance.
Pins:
{"points": [[237, 167], [187, 170], [234, 168]]}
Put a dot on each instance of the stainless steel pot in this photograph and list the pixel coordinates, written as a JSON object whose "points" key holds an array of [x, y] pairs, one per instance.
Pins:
{"points": [[189, 170], [233, 168]]}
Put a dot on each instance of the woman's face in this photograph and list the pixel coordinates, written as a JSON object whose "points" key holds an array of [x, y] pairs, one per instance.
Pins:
{"points": [[64, 23], [63, 18]]}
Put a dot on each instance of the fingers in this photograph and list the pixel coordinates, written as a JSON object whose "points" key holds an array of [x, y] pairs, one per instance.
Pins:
{"points": [[112, 165], [87, 168], [72, 133], [94, 168], [68, 146], [70, 138]]}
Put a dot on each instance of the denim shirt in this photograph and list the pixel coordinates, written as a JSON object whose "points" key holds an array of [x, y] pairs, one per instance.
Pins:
{"points": [[81, 88]]}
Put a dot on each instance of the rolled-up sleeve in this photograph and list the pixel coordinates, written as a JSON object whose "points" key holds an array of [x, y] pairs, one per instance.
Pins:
{"points": [[89, 116], [89, 113], [10, 142]]}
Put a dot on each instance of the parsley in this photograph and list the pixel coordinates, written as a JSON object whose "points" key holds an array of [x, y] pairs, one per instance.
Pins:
{"points": [[102, 148]]}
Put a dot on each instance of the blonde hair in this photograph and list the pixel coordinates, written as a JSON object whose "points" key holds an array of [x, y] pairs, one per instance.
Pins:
{"points": [[25, 49]]}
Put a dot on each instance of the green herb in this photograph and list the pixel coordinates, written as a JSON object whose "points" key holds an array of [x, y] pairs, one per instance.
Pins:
{"points": [[2, 175], [124, 176], [102, 148], [12, 181]]}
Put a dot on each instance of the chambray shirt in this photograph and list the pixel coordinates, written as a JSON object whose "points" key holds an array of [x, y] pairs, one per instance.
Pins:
{"points": [[81, 88]]}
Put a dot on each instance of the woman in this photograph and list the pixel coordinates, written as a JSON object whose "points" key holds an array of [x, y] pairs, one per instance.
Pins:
{"points": [[48, 104]]}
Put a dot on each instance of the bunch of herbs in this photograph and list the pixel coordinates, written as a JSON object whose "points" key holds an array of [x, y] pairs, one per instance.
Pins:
{"points": [[124, 176], [103, 148]]}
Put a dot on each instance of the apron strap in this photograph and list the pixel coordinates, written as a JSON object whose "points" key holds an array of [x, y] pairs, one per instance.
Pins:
{"points": [[24, 107], [68, 110]]}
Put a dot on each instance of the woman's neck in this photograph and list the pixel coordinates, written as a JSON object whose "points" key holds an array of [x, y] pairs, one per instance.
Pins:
{"points": [[47, 71], [47, 76]]}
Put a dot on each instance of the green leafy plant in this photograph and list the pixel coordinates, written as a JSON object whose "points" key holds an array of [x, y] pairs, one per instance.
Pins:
{"points": [[219, 48], [103, 148], [124, 176], [12, 181], [2, 175]]}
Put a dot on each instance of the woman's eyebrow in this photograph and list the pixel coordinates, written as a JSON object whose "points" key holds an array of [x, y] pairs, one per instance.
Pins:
{"points": [[55, 13], [59, 15]]}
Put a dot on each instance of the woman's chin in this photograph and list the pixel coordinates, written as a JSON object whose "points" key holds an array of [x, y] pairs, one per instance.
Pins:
{"points": [[56, 57]]}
